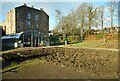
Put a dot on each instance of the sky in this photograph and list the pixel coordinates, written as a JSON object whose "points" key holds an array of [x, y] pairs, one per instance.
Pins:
{"points": [[49, 7]]}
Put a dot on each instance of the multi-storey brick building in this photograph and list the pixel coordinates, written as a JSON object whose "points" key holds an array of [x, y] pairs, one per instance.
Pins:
{"points": [[33, 22]]}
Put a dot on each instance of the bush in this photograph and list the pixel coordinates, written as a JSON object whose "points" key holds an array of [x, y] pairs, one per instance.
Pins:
{"points": [[115, 37], [99, 36], [54, 40], [73, 39]]}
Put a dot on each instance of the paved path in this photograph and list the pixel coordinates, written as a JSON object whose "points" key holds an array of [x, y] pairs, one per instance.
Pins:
{"points": [[44, 71], [68, 46]]}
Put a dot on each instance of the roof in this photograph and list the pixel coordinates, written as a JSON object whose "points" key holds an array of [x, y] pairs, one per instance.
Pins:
{"points": [[41, 9], [12, 36]]}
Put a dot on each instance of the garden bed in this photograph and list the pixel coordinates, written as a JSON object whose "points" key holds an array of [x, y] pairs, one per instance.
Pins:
{"points": [[96, 62]]}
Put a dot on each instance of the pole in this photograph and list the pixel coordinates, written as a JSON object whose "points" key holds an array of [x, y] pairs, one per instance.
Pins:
{"points": [[38, 39], [65, 39], [41, 39]]}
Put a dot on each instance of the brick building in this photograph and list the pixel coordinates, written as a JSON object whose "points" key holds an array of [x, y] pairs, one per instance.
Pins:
{"points": [[34, 23]]}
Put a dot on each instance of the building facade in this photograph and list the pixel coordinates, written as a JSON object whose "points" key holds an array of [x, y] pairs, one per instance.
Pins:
{"points": [[33, 22]]}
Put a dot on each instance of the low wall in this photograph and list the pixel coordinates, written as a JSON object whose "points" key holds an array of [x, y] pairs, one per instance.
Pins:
{"points": [[94, 62]]}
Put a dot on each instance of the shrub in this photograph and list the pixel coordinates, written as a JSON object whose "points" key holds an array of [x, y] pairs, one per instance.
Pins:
{"points": [[73, 39], [99, 36], [54, 40]]}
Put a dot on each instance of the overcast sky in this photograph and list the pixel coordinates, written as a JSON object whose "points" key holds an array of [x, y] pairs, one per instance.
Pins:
{"points": [[49, 7]]}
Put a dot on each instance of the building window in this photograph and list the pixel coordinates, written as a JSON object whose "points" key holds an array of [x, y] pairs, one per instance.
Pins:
{"points": [[36, 26], [28, 24], [36, 17], [28, 16]]}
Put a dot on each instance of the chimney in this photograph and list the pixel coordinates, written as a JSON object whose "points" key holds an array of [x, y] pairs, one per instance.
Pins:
{"points": [[24, 4], [41, 9], [32, 6]]}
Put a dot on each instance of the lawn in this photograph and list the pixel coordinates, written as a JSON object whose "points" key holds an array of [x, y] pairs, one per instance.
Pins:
{"points": [[113, 44]]}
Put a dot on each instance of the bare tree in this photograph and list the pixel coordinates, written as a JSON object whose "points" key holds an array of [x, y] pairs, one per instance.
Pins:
{"points": [[91, 15], [112, 6], [101, 13], [73, 21], [81, 14], [58, 19], [80, 21], [62, 26], [58, 15]]}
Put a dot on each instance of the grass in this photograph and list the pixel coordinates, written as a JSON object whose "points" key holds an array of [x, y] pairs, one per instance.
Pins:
{"points": [[97, 44], [23, 64]]}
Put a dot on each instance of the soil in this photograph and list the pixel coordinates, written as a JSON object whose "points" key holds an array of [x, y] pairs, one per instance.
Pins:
{"points": [[69, 63]]}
